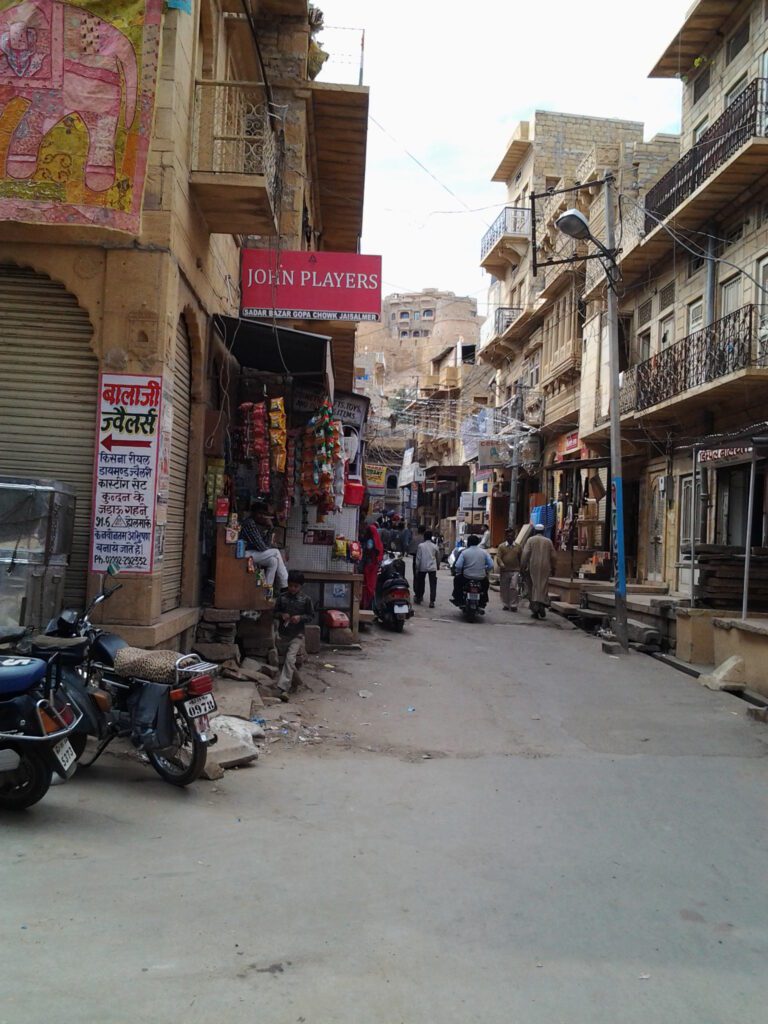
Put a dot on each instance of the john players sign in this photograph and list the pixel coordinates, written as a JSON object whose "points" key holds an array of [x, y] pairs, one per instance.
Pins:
{"points": [[310, 285]]}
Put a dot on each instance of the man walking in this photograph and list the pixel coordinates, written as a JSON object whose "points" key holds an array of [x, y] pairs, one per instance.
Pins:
{"points": [[293, 611], [539, 562], [426, 565], [508, 563]]}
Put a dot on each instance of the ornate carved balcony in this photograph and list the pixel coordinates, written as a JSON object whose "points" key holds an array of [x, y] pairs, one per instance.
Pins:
{"points": [[506, 240], [233, 175], [743, 120], [711, 356]]}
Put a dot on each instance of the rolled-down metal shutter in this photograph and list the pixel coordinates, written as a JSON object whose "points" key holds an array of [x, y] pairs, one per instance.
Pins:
{"points": [[49, 378], [177, 494]]}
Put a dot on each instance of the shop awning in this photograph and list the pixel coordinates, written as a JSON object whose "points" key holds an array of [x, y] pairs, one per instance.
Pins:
{"points": [[557, 467], [281, 350]]}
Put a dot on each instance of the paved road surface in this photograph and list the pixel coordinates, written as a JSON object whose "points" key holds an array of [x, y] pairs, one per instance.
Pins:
{"points": [[585, 844]]}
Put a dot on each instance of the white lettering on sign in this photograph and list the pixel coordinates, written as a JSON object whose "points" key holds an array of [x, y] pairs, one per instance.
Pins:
{"points": [[724, 454]]}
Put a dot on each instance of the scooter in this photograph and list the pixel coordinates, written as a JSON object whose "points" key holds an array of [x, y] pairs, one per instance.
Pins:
{"points": [[392, 598], [160, 700], [36, 723]]}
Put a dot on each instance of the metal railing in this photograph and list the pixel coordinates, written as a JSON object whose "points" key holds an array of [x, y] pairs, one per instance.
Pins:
{"points": [[727, 345], [628, 391], [232, 131], [742, 120], [505, 316], [513, 220], [601, 416]]}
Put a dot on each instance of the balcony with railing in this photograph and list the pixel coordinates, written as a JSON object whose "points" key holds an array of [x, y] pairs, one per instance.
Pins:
{"points": [[729, 355], [497, 323], [507, 239], [729, 154], [233, 173]]}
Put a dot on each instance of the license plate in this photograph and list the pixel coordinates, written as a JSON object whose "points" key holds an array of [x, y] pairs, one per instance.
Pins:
{"points": [[473, 598], [200, 705], [401, 609], [65, 754]]}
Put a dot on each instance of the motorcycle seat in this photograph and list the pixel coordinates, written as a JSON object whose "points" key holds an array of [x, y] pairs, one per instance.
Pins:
{"points": [[18, 675], [11, 636], [155, 666]]}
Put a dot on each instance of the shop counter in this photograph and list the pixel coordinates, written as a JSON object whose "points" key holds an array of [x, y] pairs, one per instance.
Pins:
{"points": [[355, 583], [234, 586]]}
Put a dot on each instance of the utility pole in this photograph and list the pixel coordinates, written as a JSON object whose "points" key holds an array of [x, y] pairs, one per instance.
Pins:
{"points": [[617, 490], [517, 407]]}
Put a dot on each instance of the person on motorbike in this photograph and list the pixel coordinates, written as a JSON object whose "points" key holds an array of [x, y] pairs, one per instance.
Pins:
{"points": [[474, 563]]}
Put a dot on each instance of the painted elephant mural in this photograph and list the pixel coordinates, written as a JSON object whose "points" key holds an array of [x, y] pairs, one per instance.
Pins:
{"points": [[63, 60]]}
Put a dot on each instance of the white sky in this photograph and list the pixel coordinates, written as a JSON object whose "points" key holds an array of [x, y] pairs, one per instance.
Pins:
{"points": [[451, 89]]}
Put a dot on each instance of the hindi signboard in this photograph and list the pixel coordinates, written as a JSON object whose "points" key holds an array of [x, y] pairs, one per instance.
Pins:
{"points": [[310, 285], [125, 472]]}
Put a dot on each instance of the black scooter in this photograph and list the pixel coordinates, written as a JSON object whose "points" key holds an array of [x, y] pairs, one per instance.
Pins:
{"points": [[36, 724], [392, 599]]}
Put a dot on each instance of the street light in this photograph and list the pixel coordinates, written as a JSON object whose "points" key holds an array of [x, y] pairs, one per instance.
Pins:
{"points": [[574, 224]]}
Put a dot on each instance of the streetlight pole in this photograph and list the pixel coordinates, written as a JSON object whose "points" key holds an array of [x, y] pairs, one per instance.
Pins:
{"points": [[574, 224], [617, 489], [513, 485]]}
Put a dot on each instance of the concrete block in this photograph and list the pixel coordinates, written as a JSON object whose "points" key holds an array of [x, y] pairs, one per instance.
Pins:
{"points": [[218, 652], [758, 714], [213, 770], [727, 676], [341, 637], [235, 745], [312, 639], [611, 647], [233, 698]]}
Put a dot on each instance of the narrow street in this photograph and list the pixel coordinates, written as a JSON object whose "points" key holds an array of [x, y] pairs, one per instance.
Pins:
{"points": [[511, 827]]}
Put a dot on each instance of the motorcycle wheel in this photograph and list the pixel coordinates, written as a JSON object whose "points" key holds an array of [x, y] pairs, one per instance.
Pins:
{"points": [[470, 614], [398, 625], [182, 764], [27, 784]]}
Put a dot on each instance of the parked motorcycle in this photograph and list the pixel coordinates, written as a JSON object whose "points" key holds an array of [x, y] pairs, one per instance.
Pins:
{"points": [[392, 598], [160, 700], [36, 723]]}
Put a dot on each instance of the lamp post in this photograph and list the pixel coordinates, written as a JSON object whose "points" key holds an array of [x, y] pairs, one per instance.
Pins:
{"points": [[574, 224]]}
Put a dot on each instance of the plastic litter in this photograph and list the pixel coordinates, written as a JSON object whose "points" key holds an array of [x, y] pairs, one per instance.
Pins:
{"points": [[411, 709], [364, 693]]}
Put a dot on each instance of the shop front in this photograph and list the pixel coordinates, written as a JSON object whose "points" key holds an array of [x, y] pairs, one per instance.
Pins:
{"points": [[292, 442], [576, 510]]}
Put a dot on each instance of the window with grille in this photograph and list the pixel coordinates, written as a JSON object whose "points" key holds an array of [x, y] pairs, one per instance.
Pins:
{"points": [[701, 85], [644, 312], [667, 295], [737, 42]]}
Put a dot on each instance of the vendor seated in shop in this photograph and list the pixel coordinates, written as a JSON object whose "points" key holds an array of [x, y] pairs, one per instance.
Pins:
{"points": [[256, 531]]}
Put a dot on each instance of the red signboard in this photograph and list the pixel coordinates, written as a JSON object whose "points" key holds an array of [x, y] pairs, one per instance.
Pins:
{"points": [[310, 285]]}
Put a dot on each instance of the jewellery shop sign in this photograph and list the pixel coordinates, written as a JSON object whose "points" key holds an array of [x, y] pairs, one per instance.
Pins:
{"points": [[125, 472]]}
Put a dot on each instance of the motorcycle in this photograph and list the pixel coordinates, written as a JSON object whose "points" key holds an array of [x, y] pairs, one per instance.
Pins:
{"points": [[392, 598], [471, 601], [160, 700], [36, 723]]}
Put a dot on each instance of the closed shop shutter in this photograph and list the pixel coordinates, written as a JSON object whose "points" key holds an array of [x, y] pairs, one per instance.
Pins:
{"points": [[49, 378], [177, 494]]}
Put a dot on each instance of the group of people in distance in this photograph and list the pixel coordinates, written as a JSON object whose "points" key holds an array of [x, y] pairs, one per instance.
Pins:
{"points": [[534, 562]]}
